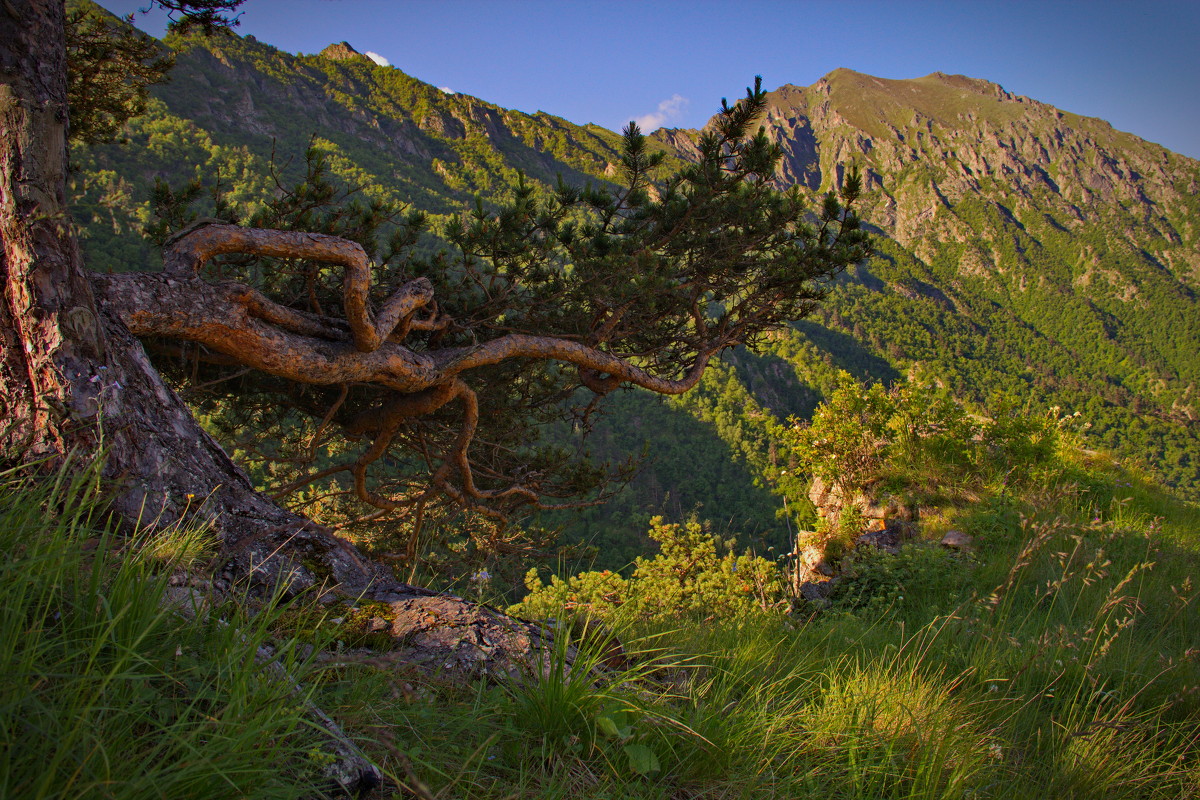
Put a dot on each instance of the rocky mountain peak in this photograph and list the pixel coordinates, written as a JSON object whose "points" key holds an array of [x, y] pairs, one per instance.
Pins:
{"points": [[342, 51]]}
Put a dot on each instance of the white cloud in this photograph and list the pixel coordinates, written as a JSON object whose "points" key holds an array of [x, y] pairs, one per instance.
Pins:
{"points": [[669, 110], [447, 90], [378, 59]]}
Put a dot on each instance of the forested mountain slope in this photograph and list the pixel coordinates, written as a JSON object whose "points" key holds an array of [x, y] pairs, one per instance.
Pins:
{"points": [[1026, 255], [1024, 249], [235, 108]]}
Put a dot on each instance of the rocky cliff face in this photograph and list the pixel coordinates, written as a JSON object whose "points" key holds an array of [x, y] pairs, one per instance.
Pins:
{"points": [[932, 143]]}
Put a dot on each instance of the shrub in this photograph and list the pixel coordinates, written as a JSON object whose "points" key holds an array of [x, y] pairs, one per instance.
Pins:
{"points": [[918, 575], [699, 572], [695, 572], [917, 441], [586, 594]]}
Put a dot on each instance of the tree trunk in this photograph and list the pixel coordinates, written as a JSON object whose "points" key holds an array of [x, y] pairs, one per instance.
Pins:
{"points": [[73, 379], [50, 344]]}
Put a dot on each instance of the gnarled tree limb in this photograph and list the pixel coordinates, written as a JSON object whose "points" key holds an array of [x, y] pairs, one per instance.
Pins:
{"points": [[219, 317], [187, 254]]}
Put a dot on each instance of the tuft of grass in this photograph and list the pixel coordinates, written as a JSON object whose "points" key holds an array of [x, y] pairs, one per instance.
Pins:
{"points": [[180, 548], [603, 709], [885, 729]]}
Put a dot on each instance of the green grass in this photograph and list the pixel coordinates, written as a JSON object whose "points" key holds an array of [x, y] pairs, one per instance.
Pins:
{"points": [[1060, 662], [1063, 661], [107, 691]]}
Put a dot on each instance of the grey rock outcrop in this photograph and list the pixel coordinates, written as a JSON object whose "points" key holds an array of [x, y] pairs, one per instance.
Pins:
{"points": [[877, 511]]}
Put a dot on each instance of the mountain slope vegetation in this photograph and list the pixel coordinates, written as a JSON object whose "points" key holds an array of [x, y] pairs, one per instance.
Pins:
{"points": [[1031, 304], [1026, 250], [1026, 257]]}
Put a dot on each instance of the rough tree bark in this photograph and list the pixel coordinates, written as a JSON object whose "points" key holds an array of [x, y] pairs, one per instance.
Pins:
{"points": [[73, 378]]}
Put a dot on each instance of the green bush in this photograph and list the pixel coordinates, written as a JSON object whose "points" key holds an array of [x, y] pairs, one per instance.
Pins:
{"points": [[916, 441], [586, 594], [695, 573]]}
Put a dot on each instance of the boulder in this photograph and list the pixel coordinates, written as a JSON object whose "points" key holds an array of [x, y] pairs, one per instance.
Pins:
{"points": [[879, 511], [459, 640], [824, 496], [885, 507], [957, 540], [810, 562], [816, 592], [886, 540]]}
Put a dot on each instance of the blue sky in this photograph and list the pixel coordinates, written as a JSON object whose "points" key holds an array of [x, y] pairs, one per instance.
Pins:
{"points": [[1135, 64]]}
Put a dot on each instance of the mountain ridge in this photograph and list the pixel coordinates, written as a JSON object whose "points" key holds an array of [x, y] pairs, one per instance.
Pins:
{"points": [[960, 194]]}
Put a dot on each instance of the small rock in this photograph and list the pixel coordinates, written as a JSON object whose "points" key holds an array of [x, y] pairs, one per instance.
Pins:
{"points": [[957, 540], [184, 599], [887, 540], [815, 591], [903, 529]]}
